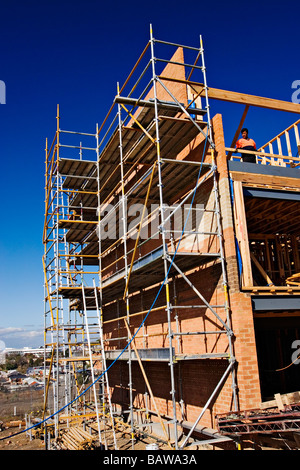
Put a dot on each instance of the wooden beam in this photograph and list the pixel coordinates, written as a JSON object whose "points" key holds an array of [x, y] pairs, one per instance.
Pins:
{"points": [[242, 232], [261, 236], [263, 154], [274, 289], [261, 270], [238, 130], [287, 314], [286, 399], [250, 100], [265, 179]]}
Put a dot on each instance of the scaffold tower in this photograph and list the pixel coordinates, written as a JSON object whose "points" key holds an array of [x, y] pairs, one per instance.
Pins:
{"points": [[132, 217]]}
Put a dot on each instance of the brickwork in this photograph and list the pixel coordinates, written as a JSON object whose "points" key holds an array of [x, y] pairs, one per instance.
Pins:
{"points": [[172, 71], [240, 303]]}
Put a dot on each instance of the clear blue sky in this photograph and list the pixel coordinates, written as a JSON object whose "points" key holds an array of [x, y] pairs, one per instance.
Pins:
{"points": [[73, 53]]}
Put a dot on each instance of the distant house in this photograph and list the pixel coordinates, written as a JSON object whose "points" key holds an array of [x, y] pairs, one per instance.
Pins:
{"points": [[15, 376], [30, 381], [35, 371]]}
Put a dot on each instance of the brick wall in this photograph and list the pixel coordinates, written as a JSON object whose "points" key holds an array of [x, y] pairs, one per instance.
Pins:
{"points": [[240, 303]]}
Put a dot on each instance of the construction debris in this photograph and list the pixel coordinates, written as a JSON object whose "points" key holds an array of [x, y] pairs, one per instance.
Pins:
{"points": [[13, 424], [281, 400], [276, 416]]}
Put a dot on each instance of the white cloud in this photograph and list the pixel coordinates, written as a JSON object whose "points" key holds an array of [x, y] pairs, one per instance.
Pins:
{"points": [[17, 337], [10, 330]]}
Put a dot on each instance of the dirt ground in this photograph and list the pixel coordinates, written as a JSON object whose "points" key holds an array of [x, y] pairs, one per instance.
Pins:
{"points": [[23, 442], [19, 442], [13, 407]]}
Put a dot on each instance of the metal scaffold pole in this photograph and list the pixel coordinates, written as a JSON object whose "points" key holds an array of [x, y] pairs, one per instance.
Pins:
{"points": [[92, 367], [163, 234], [46, 301], [105, 381], [56, 376], [124, 229]]}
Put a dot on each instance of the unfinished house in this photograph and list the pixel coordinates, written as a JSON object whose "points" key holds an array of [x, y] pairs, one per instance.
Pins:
{"points": [[171, 267]]}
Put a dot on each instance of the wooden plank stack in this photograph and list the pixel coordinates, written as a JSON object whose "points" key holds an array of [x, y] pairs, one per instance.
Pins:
{"points": [[76, 438]]}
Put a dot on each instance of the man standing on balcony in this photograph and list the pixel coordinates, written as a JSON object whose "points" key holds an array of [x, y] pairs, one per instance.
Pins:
{"points": [[245, 143]]}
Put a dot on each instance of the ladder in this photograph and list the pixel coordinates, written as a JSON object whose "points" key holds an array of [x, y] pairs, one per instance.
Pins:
{"points": [[94, 326]]}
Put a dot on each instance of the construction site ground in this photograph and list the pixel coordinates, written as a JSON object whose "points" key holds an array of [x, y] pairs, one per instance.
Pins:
{"points": [[23, 442], [20, 442], [14, 406]]}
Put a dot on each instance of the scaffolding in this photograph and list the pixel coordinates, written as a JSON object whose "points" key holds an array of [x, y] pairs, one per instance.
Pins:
{"points": [[113, 280]]}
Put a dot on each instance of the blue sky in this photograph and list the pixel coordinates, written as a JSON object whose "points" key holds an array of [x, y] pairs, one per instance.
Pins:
{"points": [[74, 53]]}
